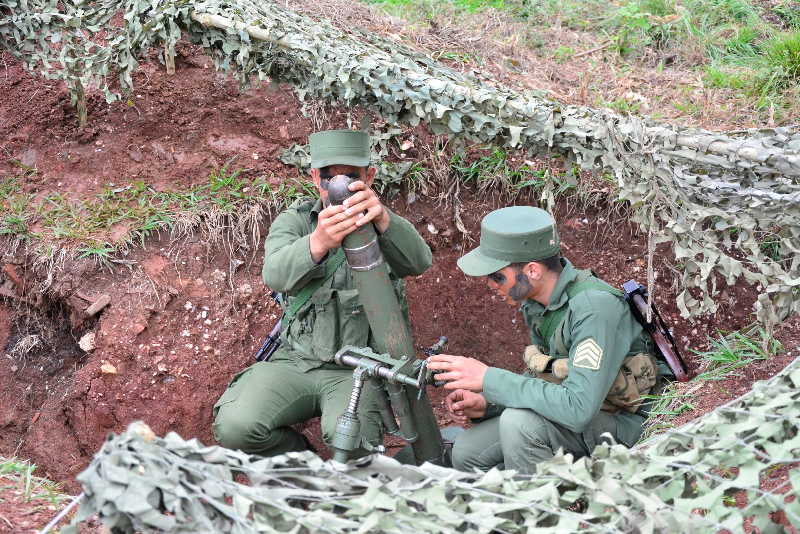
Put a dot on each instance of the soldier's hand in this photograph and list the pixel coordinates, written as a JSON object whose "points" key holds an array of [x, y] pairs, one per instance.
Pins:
{"points": [[464, 405], [459, 372], [366, 206], [333, 224]]}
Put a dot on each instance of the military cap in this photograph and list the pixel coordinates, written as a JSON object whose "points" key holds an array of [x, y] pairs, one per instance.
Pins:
{"points": [[517, 234], [339, 147]]}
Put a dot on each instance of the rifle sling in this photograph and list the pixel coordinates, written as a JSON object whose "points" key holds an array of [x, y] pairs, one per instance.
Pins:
{"points": [[552, 320]]}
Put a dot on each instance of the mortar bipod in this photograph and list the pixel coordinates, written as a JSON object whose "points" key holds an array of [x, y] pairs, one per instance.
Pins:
{"points": [[388, 378]]}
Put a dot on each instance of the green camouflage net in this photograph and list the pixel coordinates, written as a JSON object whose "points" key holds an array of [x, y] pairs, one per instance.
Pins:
{"points": [[713, 474], [728, 202]]}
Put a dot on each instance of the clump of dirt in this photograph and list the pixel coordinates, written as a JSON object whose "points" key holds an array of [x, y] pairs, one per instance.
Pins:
{"points": [[184, 316]]}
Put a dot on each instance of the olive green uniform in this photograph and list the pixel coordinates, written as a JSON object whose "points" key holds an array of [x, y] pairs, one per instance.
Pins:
{"points": [[300, 381], [528, 419]]}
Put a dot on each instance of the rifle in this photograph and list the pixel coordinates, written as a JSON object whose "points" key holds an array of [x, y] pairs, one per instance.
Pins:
{"points": [[273, 340], [636, 295]]}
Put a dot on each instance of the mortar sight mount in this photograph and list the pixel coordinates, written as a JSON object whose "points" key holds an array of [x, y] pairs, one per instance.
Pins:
{"points": [[387, 377]]}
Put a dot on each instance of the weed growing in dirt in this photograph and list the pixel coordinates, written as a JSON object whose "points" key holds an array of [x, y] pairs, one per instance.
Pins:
{"points": [[782, 54], [101, 253], [734, 350], [789, 13], [495, 172], [19, 474], [665, 406]]}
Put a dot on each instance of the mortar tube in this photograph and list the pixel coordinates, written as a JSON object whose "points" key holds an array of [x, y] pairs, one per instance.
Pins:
{"points": [[389, 329]]}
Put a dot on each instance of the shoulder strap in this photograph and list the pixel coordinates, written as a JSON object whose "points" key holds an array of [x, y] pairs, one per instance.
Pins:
{"points": [[585, 281], [305, 293]]}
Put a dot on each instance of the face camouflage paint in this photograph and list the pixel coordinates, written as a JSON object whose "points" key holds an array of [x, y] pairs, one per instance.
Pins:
{"points": [[522, 287]]}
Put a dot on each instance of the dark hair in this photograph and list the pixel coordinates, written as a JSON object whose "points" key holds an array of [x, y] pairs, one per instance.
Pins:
{"points": [[553, 263]]}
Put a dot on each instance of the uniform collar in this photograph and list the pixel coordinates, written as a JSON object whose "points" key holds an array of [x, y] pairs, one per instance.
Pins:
{"points": [[317, 207], [559, 296]]}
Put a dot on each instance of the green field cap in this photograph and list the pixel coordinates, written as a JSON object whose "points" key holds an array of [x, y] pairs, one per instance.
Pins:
{"points": [[512, 235], [339, 147]]}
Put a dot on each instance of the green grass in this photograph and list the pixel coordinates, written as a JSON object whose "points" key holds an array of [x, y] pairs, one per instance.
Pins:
{"points": [[740, 44], [18, 474], [724, 78], [109, 222], [782, 54], [734, 350], [665, 406], [727, 354], [789, 13], [494, 171], [469, 6]]}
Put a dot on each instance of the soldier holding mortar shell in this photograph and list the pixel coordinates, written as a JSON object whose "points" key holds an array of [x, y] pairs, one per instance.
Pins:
{"points": [[323, 310], [589, 363]]}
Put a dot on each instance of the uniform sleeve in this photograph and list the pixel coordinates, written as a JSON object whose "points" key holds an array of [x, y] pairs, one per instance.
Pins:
{"points": [[602, 332], [287, 254], [403, 248]]}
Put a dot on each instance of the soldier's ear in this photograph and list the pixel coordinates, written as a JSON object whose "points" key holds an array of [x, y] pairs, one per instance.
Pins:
{"points": [[533, 270], [314, 176]]}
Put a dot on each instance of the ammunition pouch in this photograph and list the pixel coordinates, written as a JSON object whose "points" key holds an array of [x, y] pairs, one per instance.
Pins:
{"points": [[637, 377]]}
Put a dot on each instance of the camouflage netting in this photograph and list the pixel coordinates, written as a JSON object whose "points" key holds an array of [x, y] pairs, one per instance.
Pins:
{"points": [[715, 473], [728, 202]]}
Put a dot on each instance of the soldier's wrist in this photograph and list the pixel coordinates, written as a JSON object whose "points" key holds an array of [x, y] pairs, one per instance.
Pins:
{"points": [[317, 249], [382, 222]]}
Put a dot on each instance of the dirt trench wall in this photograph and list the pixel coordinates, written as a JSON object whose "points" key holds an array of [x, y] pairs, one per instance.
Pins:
{"points": [[172, 335]]}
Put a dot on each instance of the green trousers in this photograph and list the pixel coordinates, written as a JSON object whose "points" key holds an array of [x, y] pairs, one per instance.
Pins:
{"points": [[255, 412], [519, 439]]}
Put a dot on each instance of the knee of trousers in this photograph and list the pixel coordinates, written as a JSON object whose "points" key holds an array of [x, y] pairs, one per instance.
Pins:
{"points": [[519, 426], [479, 451], [235, 430], [465, 457]]}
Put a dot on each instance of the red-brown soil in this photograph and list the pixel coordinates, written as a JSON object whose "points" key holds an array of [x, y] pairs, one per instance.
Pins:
{"points": [[179, 325]]}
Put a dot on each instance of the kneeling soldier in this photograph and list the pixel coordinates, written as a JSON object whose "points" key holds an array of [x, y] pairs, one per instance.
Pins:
{"points": [[589, 361], [305, 262]]}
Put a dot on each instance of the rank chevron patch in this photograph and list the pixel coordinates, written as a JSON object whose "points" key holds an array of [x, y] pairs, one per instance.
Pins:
{"points": [[588, 355]]}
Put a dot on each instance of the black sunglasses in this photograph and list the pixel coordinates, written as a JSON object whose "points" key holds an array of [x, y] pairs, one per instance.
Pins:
{"points": [[325, 178]]}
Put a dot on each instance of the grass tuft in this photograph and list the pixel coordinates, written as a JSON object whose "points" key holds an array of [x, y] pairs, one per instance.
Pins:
{"points": [[668, 404], [32, 488], [783, 55], [735, 350], [101, 226]]}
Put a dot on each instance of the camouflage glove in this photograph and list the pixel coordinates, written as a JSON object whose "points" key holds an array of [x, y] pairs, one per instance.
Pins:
{"points": [[544, 366]]}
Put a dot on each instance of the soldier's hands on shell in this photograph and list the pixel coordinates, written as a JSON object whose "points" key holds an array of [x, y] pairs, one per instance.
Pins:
{"points": [[464, 405], [458, 372], [366, 206], [333, 225]]}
